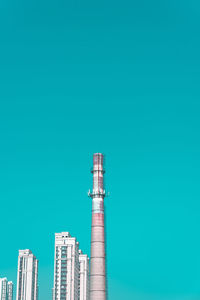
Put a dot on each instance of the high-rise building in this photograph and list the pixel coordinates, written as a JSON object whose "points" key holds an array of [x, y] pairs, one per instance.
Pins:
{"points": [[10, 290], [66, 267], [3, 288], [27, 276], [71, 269], [97, 256], [83, 276], [6, 289]]}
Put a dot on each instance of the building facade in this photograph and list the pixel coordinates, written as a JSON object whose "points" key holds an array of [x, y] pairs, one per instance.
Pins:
{"points": [[6, 289], [27, 276], [66, 268], [83, 276], [3, 288], [10, 290]]}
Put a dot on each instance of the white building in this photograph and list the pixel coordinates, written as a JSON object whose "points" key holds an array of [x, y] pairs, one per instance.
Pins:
{"points": [[66, 269], [27, 276], [10, 290], [6, 289], [83, 276], [3, 288]]}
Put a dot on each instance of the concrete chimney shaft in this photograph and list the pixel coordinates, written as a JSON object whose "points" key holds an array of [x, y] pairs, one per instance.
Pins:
{"points": [[97, 260]]}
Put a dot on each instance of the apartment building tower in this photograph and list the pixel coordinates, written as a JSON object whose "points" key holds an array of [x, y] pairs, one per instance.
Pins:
{"points": [[6, 289], [69, 282], [83, 276], [10, 290], [3, 288], [66, 267], [27, 276]]}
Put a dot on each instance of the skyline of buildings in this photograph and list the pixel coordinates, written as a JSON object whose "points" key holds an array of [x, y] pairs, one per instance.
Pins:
{"points": [[74, 277], [71, 273]]}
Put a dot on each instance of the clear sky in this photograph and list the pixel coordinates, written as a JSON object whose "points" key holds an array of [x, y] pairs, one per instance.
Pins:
{"points": [[118, 77]]}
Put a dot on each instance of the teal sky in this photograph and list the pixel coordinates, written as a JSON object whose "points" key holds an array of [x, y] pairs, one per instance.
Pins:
{"points": [[118, 77]]}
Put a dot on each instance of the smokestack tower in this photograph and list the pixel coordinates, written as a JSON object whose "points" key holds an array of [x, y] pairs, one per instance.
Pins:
{"points": [[97, 259]]}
